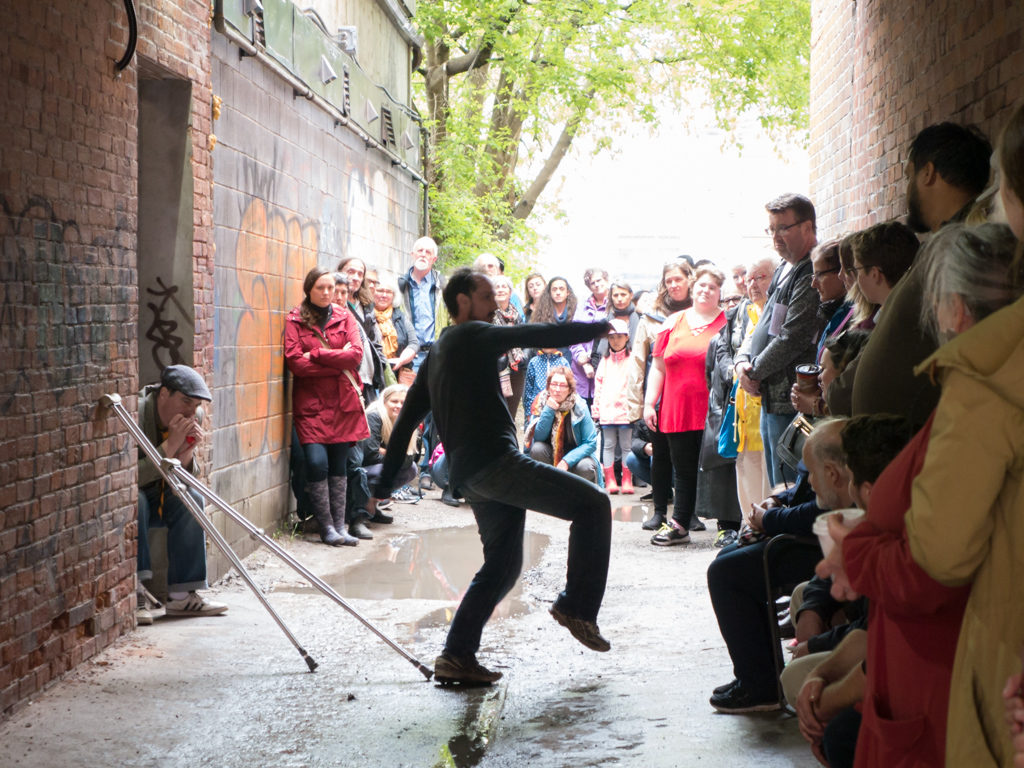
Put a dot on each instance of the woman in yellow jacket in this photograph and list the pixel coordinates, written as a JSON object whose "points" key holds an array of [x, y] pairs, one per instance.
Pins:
{"points": [[965, 524]]}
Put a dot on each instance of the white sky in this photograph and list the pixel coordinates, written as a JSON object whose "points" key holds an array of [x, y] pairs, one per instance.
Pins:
{"points": [[657, 196]]}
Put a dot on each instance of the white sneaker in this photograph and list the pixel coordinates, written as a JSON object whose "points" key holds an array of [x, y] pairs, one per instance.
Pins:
{"points": [[148, 607], [194, 605]]}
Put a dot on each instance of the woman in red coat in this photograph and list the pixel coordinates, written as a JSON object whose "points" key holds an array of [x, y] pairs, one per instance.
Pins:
{"points": [[323, 350]]}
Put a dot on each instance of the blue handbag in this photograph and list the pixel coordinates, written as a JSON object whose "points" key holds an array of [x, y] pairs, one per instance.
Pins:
{"points": [[728, 441]]}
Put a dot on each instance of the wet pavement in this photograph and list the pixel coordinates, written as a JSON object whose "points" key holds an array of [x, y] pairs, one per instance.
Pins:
{"points": [[232, 691]]}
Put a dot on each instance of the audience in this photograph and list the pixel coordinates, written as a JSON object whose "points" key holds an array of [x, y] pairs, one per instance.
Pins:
{"points": [[564, 435]]}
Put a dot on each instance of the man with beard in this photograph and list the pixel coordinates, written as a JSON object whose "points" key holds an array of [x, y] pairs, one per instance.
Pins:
{"points": [[947, 168], [458, 382]]}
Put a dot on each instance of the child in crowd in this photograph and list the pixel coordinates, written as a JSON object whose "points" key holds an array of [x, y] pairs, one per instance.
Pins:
{"points": [[537, 380], [610, 409]]}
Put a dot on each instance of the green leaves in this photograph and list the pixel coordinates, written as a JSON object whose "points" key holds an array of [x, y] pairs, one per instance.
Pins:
{"points": [[508, 85]]}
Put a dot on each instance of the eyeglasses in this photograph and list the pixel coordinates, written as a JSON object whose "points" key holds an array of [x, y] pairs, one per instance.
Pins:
{"points": [[782, 230], [556, 385], [732, 300], [819, 275]]}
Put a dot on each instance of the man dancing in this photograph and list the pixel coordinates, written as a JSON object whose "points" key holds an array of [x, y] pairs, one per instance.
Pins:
{"points": [[458, 382]]}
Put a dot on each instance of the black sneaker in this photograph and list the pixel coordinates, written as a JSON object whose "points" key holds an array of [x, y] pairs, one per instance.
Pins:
{"points": [[726, 537], [462, 670], [654, 522], [737, 700], [723, 688], [585, 631], [670, 536]]}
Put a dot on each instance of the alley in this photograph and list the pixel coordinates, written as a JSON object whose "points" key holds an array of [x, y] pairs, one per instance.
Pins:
{"points": [[231, 691]]}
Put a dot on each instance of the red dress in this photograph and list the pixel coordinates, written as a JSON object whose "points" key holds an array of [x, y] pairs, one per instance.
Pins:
{"points": [[684, 397], [326, 403], [913, 627]]}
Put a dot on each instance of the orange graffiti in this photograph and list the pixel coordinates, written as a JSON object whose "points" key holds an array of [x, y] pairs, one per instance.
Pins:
{"points": [[274, 253]]}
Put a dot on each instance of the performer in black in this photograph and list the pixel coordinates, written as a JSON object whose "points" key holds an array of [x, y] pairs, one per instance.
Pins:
{"points": [[458, 382]]}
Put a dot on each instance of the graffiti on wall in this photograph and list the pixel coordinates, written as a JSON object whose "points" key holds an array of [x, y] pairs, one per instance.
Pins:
{"points": [[273, 251], [166, 349], [63, 302]]}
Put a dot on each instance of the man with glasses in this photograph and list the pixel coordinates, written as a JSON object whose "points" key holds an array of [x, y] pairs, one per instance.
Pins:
{"points": [[785, 333]]}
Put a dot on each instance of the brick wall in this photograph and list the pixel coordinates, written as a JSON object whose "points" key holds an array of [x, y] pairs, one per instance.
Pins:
{"points": [[68, 309], [881, 70]]}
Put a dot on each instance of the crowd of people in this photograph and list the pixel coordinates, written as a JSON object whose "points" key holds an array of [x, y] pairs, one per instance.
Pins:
{"points": [[877, 371]]}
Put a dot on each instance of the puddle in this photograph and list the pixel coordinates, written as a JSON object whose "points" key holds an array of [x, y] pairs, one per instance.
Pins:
{"points": [[630, 513], [430, 565]]}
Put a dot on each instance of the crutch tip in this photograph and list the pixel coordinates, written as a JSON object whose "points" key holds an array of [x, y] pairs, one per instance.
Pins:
{"points": [[310, 663], [427, 671]]}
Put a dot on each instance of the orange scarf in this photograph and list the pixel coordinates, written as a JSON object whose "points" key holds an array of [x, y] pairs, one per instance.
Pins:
{"points": [[388, 334]]}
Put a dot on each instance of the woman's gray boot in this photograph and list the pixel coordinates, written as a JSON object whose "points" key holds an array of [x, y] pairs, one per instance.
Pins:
{"points": [[338, 485], [320, 500]]}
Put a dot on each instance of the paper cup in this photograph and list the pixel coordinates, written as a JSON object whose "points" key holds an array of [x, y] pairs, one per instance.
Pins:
{"points": [[850, 518]]}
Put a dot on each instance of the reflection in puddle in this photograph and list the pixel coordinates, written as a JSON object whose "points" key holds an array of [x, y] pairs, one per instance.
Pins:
{"points": [[627, 512], [429, 565]]}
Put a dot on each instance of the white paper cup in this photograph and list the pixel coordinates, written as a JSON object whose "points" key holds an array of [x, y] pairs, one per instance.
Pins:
{"points": [[850, 518]]}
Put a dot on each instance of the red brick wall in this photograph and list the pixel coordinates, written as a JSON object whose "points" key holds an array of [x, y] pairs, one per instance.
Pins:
{"points": [[881, 70], [68, 313]]}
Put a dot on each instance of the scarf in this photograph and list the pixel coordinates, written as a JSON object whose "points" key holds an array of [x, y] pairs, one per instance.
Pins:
{"points": [[626, 312], [388, 334], [510, 316], [675, 306], [562, 438]]}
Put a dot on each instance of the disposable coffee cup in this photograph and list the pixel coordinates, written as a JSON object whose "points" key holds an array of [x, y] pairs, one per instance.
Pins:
{"points": [[850, 517], [807, 377]]}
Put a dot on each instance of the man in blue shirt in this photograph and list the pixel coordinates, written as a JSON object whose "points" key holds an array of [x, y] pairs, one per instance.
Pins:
{"points": [[421, 287]]}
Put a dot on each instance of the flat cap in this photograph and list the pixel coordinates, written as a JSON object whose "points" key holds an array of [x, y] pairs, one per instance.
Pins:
{"points": [[181, 378]]}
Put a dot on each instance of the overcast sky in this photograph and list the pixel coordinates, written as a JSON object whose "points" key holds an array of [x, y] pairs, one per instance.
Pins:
{"points": [[661, 195]]}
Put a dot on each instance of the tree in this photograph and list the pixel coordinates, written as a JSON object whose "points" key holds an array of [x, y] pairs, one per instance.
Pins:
{"points": [[509, 84]]}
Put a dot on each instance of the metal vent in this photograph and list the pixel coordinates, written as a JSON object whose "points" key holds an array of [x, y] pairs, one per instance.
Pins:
{"points": [[387, 128], [346, 104]]}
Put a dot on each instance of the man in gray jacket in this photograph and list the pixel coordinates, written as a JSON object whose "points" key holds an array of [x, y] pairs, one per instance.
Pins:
{"points": [[784, 336]]}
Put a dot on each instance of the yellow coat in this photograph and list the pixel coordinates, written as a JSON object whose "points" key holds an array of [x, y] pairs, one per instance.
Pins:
{"points": [[966, 523]]}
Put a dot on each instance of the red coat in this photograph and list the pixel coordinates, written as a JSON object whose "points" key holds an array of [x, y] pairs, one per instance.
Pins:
{"points": [[913, 627], [326, 404]]}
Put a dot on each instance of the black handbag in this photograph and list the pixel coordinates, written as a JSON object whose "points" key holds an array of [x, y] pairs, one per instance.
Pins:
{"points": [[790, 448]]}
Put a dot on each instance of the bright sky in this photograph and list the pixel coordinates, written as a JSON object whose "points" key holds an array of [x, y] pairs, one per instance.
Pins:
{"points": [[657, 196]]}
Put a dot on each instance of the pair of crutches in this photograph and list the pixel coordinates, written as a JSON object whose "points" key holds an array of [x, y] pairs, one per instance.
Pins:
{"points": [[179, 480]]}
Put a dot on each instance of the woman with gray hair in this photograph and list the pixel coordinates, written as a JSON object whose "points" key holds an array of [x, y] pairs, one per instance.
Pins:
{"points": [[398, 336], [944, 523], [511, 365]]}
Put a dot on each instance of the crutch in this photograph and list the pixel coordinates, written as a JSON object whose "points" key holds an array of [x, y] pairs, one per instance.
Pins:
{"points": [[179, 480]]}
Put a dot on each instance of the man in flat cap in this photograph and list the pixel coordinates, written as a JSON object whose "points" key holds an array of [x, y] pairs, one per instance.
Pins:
{"points": [[170, 416]]}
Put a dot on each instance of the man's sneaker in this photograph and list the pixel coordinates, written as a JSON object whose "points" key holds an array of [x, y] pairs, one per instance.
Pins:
{"points": [[584, 631], [736, 700], [669, 536], [148, 607], [725, 537], [194, 605], [462, 670], [724, 688], [405, 495]]}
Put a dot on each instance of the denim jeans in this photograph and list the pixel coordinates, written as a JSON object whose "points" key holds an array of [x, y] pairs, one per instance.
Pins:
{"points": [[499, 497], [186, 542], [772, 427]]}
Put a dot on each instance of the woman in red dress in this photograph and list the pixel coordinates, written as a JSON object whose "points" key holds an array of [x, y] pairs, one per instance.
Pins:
{"points": [[676, 401], [322, 349]]}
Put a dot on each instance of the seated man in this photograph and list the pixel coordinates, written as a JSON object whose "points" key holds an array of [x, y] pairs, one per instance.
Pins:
{"points": [[170, 417], [736, 577]]}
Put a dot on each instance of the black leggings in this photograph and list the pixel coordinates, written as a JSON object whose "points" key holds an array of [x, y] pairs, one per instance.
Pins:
{"points": [[684, 450]]}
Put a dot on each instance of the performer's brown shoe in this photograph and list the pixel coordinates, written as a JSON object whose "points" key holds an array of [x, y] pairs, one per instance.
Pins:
{"points": [[465, 670], [585, 631]]}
